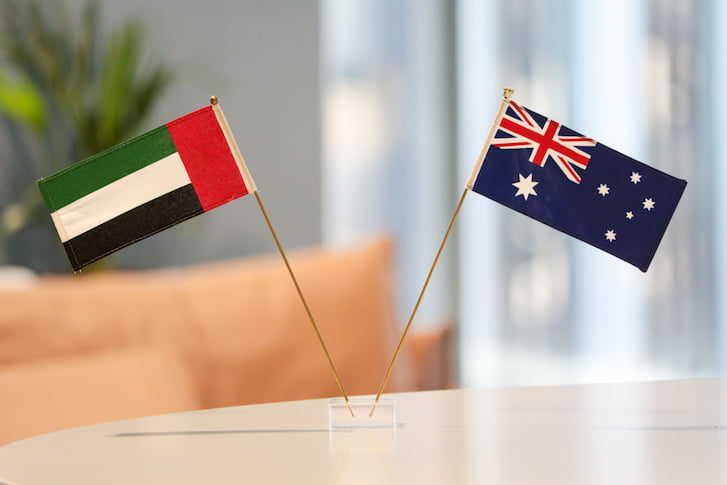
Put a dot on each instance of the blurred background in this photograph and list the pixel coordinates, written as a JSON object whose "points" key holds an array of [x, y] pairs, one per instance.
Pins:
{"points": [[365, 117]]}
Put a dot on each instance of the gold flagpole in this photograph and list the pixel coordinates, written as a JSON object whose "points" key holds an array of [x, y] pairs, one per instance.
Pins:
{"points": [[305, 303], [214, 101], [416, 306], [507, 92]]}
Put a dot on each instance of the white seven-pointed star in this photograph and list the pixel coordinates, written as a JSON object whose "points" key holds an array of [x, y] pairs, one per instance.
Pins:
{"points": [[610, 235], [649, 204], [629, 215], [635, 177], [525, 186], [603, 189]]}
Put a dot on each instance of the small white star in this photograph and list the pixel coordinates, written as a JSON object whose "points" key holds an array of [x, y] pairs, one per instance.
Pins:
{"points": [[629, 215], [648, 204], [525, 186], [603, 189], [610, 235], [635, 177]]}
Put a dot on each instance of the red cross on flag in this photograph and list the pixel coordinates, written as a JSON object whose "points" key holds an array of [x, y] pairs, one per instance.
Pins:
{"points": [[545, 140]]}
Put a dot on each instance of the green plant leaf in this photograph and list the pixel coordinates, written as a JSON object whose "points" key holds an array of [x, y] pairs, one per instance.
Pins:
{"points": [[78, 88], [21, 102]]}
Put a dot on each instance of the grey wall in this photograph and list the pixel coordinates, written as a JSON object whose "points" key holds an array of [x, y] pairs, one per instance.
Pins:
{"points": [[261, 58]]}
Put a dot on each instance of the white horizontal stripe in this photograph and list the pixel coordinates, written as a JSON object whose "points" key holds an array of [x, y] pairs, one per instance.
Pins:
{"points": [[59, 227], [121, 196]]}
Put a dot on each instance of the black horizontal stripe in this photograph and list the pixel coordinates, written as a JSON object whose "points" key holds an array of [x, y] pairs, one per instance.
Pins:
{"points": [[138, 223]]}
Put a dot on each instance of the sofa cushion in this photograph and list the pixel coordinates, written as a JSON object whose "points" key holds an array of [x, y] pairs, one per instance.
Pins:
{"points": [[255, 343], [49, 395], [239, 325]]}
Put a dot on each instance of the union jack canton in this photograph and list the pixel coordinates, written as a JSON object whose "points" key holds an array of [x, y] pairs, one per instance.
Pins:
{"points": [[589, 191], [547, 141]]}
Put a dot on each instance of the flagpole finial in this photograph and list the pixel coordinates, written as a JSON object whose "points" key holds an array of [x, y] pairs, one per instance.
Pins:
{"points": [[214, 100], [506, 93]]}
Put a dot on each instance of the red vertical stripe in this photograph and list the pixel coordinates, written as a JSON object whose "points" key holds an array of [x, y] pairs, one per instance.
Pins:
{"points": [[207, 157]]}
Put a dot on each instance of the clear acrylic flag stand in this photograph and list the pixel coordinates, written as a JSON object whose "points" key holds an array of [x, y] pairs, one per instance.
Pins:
{"points": [[361, 434], [355, 413]]}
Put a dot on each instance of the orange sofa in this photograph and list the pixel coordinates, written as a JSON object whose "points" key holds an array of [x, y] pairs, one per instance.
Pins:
{"points": [[83, 349]]}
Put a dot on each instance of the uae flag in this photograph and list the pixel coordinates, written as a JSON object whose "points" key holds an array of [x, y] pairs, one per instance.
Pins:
{"points": [[145, 185]]}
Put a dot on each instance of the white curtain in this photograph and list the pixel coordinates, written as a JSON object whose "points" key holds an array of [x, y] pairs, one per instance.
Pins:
{"points": [[407, 84]]}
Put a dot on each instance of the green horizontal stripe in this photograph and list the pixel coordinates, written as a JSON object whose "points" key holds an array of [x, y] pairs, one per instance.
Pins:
{"points": [[91, 174]]}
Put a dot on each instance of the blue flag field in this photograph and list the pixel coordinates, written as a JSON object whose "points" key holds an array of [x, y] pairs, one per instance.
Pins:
{"points": [[576, 185]]}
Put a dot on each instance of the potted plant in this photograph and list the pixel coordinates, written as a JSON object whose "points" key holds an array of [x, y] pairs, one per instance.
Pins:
{"points": [[67, 91]]}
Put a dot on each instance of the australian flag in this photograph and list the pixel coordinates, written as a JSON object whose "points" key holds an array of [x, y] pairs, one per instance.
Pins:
{"points": [[574, 184]]}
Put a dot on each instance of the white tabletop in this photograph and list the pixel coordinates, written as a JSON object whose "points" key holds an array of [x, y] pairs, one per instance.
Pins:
{"points": [[664, 433]]}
